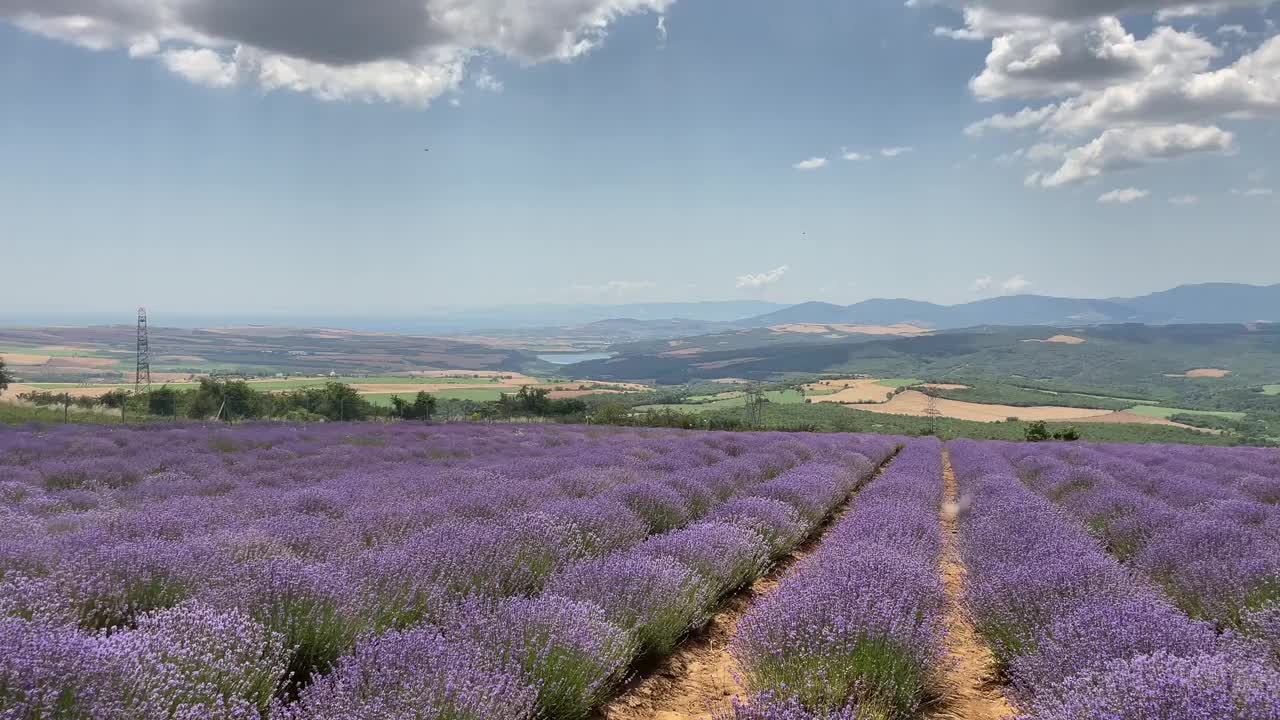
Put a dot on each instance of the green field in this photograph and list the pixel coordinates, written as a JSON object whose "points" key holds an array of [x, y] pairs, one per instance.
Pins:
{"points": [[476, 394], [36, 350], [1271, 389], [897, 383], [1168, 412], [782, 397], [299, 383]]}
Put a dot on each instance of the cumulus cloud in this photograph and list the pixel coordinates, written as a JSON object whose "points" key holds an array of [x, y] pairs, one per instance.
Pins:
{"points": [[755, 281], [1096, 77], [1016, 284], [1257, 192], [993, 16], [811, 164], [892, 152], [848, 154], [1248, 88], [1184, 200], [983, 283], [1065, 59], [1128, 148], [1124, 196], [408, 51]]}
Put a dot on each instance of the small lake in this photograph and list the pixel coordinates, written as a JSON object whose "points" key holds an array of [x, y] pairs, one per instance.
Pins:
{"points": [[571, 358]]}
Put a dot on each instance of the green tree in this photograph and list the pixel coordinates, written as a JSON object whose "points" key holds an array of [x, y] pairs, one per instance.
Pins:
{"points": [[1070, 434], [424, 406], [5, 377], [116, 399], [1037, 432], [163, 401]]}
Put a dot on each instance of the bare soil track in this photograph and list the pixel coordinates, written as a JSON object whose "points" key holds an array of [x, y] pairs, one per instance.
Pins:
{"points": [[967, 678], [697, 680]]}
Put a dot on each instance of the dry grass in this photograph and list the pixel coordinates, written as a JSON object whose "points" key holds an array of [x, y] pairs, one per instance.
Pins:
{"points": [[1061, 340], [915, 403], [1203, 373], [901, 329], [850, 391]]}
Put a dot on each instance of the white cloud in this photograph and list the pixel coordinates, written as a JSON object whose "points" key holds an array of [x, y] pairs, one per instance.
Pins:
{"points": [[755, 281], [993, 16], [616, 288], [202, 66], [811, 164], [983, 283], [1021, 120], [1124, 196], [1256, 192], [1248, 88], [662, 30], [1127, 148], [1064, 59], [484, 80], [848, 154], [403, 51], [1016, 284], [1184, 200], [892, 152], [1098, 78]]}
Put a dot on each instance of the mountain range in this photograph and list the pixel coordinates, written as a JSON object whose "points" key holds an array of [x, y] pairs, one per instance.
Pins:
{"points": [[1203, 303]]}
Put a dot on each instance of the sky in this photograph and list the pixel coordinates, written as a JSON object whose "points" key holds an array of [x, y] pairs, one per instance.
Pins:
{"points": [[391, 156]]}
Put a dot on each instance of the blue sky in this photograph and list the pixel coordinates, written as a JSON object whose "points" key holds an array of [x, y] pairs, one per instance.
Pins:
{"points": [[248, 155]]}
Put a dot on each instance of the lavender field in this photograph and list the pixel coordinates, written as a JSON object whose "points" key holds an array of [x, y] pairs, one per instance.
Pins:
{"points": [[472, 572]]}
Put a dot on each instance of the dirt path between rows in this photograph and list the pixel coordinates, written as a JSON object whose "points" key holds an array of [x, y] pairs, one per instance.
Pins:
{"points": [[968, 678], [697, 680]]}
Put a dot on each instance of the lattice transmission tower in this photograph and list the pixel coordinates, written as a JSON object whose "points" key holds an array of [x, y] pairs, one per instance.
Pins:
{"points": [[142, 380], [933, 412]]}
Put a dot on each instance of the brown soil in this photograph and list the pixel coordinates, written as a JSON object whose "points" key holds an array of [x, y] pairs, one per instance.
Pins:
{"points": [[901, 329], [944, 386], [1061, 340], [569, 394], [968, 678], [683, 352], [12, 359], [1203, 373], [697, 680]]}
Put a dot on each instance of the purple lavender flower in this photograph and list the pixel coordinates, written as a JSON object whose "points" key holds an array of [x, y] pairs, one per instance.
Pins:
{"points": [[658, 598], [1159, 685], [415, 674]]}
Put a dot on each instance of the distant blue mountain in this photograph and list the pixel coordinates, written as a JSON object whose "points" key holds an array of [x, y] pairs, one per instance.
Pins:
{"points": [[1208, 303]]}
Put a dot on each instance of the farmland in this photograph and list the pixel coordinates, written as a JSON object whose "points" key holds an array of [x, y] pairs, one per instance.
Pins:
{"points": [[551, 571]]}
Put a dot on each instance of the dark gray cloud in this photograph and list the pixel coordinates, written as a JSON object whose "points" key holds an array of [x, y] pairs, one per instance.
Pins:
{"points": [[409, 51], [333, 32]]}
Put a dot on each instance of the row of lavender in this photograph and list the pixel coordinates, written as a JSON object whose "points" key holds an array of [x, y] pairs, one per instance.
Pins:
{"points": [[1206, 529], [1075, 634], [857, 631], [525, 568]]}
